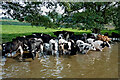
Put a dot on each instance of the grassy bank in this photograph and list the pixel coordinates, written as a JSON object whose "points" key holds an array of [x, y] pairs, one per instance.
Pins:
{"points": [[11, 31]]}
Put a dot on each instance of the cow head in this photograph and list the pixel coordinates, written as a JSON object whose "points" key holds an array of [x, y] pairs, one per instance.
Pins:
{"points": [[85, 50], [92, 47], [61, 46], [105, 44], [60, 36]]}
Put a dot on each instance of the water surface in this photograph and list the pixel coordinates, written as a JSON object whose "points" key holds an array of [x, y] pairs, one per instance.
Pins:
{"points": [[95, 64]]}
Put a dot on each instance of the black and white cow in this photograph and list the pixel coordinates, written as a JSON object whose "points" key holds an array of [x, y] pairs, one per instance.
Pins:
{"points": [[47, 49], [32, 44], [54, 46], [84, 47], [11, 47], [78, 42], [82, 37], [73, 47], [63, 34], [67, 47], [24, 42], [91, 35], [35, 46], [90, 40], [100, 45], [75, 37], [45, 37]]}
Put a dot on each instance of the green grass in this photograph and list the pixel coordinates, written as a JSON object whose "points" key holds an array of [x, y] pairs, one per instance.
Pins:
{"points": [[12, 31], [13, 22]]}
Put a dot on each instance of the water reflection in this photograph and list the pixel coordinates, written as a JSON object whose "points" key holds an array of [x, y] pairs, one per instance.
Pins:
{"points": [[95, 64]]}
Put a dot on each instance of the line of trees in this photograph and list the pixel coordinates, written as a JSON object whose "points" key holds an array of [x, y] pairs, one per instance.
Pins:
{"points": [[83, 15]]}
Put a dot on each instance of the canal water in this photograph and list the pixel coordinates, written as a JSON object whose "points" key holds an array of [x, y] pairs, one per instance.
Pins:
{"points": [[95, 64]]}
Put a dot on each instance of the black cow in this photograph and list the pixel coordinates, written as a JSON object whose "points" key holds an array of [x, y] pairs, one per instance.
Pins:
{"points": [[106, 34], [63, 34], [115, 36], [89, 35], [45, 37], [75, 37], [82, 37]]}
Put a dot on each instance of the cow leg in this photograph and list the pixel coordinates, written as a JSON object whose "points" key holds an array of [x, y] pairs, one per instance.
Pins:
{"points": [[21, 52], [33, 54], [109, 45], [100, 49], [52, 52], [41, 51]]}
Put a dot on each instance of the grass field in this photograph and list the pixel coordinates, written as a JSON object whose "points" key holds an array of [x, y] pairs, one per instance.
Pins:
{"points": [[11, 31]]}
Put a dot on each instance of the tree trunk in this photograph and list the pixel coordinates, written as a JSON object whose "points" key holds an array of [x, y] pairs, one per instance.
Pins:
{"points": [[95, 30]]}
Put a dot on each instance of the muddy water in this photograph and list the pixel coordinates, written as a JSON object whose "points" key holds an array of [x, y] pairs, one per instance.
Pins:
{"points": [[95, 64]]}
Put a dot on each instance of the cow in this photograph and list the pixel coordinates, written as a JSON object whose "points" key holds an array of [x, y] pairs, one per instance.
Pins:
{"points": [[91, 35], [32, 44], [61, 45], [24, 42], [64, 46], [106, 34], [84, 47], [73, 47], [103, 38], [11, 47], [46, 49], [90, 40], [63, 34], [75, 37], [67, 47], [95, 35], [79, 42], [54, 46], [83, 37], [115, 36], [45, 37], [35, 46], [100, 45]]}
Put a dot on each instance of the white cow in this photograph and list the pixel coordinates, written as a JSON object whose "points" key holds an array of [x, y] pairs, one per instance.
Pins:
{"points": [[100, 45]]}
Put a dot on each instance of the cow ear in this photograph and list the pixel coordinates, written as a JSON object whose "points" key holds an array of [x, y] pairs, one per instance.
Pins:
{"points": [[94, 40], [41, 34], [24, 36]]}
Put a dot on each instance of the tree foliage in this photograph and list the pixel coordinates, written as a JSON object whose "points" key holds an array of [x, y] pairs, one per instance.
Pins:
{"points": [[84, 15]]}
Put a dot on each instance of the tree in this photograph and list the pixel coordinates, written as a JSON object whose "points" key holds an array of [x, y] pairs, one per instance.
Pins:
{"points": [[93, 15], [96, 15]]}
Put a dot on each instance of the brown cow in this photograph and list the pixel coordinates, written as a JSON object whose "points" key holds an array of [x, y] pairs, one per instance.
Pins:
{"points": [[103, 38]]}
